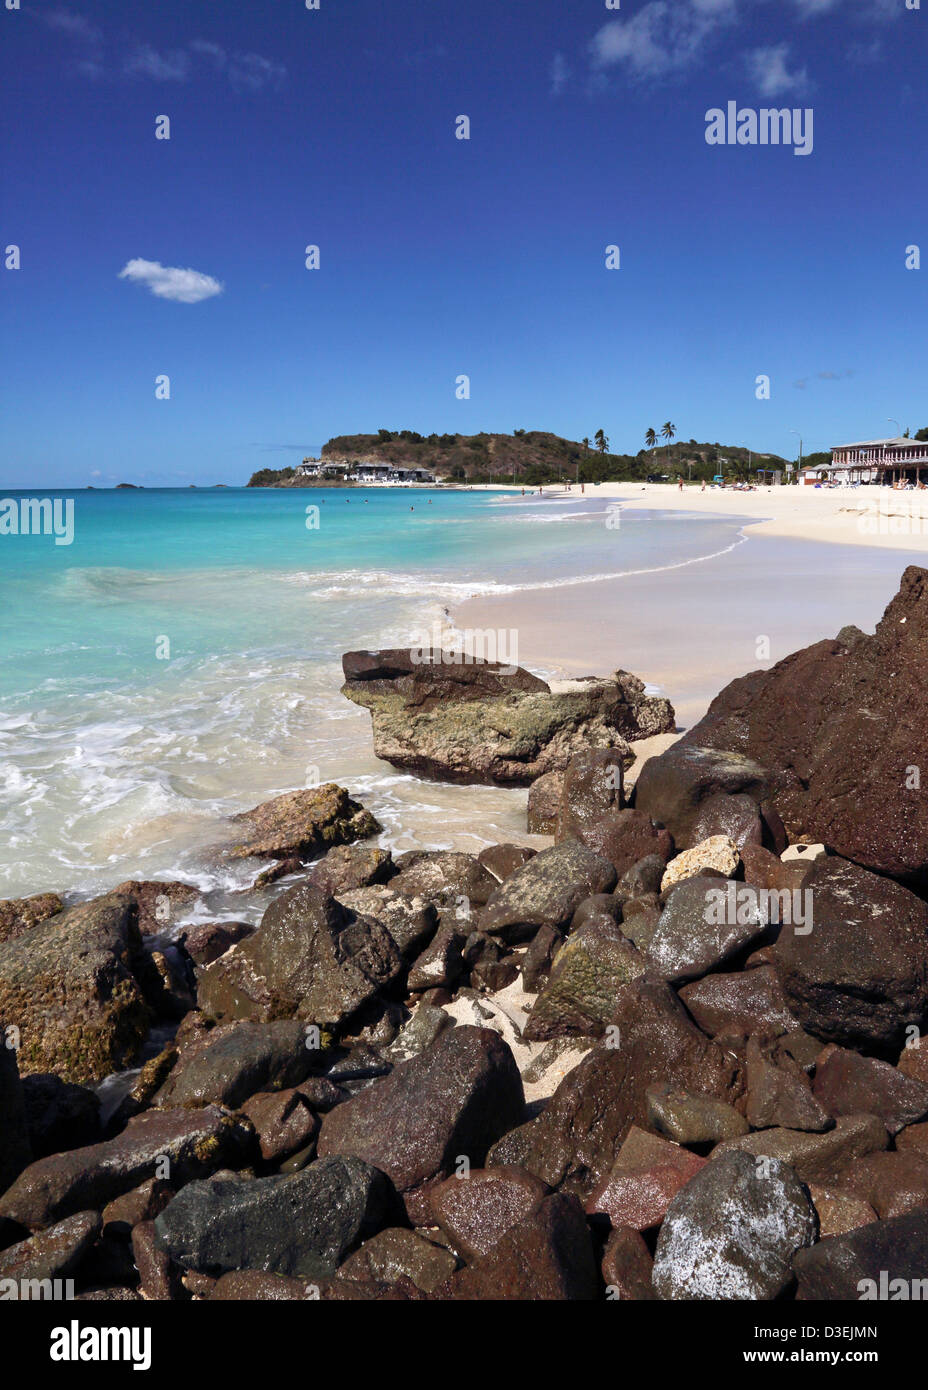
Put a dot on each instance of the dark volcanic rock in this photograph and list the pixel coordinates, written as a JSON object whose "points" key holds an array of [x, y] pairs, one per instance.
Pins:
{"points": [[503, 860], [546, 891], [446, 878], [471, 722], [815, 1157], [847, 1084], [701, 927], [59, 1115], [674, 787], [860, 976], [544, 798], [395, 1253], [345, 867], [626, 1267], [303, 823], [300, 1224], [15, 1148], [738, 817], [548, 1255], [646, 1176], [891, 1183], [864, 1263], [208, 941], [779, 1093], [577, 1137], [817, 717], [68, 984], [236, 1060], [592, 787], [310, 958], [475, 1211], [580, 995], [410, 921], [51, 1254], [423, 675], [751, 1001], [732, 1232], [688, 1118], [193, 1142], [625, 838], [449, 1102]]}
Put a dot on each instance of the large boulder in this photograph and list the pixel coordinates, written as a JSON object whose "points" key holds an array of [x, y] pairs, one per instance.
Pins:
{"points": [[477, 1209], [479, 722], [848, 1084], [235, 1060], [748, 1001], [883, 1260], [51, 1254], [301, 1224], [301, 824], [857, 974], [311, 959], [576, 1139], [446, 1104], [548, 1255], [675, 787], [626, 838], [732, 1232], [546, 891], [346, 867], [580, 995], [815, 1157], [192, 1143], [840, 725], [701, 927], [69, 985], [592, 787]]}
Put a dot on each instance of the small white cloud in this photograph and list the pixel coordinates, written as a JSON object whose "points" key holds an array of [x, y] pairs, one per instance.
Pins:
{"points": [[662, 38], [560, 74], [170, 282], [214, 51], [163, 67], [768, 68], [249, 72]]}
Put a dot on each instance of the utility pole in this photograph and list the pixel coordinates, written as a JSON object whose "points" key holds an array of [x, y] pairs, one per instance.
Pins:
{"points": [[799, 437]]}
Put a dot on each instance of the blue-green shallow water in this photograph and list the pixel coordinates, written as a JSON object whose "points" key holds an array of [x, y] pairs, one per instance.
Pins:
{"points": [[180, 660]]}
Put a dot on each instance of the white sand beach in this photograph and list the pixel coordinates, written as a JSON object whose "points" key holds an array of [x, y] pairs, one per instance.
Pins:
{"points": [[800, 575]]}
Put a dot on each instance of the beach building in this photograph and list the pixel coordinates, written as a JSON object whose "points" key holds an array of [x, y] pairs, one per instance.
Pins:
{"points": [[371, 472], [880, 461]]}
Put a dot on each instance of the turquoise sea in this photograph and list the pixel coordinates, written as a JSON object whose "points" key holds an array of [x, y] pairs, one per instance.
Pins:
{"points": [[179, 661]]}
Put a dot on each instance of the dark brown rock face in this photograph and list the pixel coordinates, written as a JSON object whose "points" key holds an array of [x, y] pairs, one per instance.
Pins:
{"points": [[546, 891], [592, 787], [479, 722], [450, 1102], [747, 1001], [859, 977], [68, 984], [840, 725], [15, 1149], [476, 1211], [674, 787], [576, 1139], [625, 838], [863, 1264], [194, 1143], [311, 958], [547, 1256], [848, 1084], [235, 1061]]}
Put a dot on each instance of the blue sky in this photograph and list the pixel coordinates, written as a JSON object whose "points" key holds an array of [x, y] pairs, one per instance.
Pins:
{"points": [[442, 257]]}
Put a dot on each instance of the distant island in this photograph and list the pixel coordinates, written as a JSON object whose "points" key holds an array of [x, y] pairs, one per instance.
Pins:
{"points": [[528, 458]]}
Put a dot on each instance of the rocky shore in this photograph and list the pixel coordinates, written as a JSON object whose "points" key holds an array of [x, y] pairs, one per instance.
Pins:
{"points": [[675, 1055]]}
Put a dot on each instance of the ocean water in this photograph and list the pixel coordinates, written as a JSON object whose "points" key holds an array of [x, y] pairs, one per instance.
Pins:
{"points": [[180, 661]]}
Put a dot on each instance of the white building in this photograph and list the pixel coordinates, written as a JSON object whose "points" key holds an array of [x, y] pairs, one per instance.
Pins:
{"points": [[884, 461]]}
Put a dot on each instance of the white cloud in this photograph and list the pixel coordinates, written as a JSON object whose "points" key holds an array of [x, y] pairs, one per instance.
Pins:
{"points": [[768, 67], [662, 37], [251, 73], [163, 67], [86, 37], [170, 282]]}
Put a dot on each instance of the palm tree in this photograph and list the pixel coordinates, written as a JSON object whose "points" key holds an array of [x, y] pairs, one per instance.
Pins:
{"points": [[586, 444], [601, 442], [650, 439], [668, 431]]}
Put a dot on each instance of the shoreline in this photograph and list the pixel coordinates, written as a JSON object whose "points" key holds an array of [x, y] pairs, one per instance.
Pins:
{"points": [[775, 590]]}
